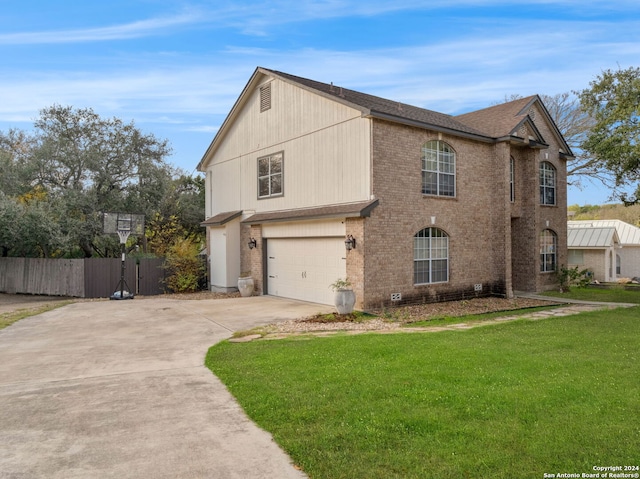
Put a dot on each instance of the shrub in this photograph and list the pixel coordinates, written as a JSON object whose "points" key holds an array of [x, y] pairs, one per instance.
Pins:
{"points": [[568, 277], [185, 270]]}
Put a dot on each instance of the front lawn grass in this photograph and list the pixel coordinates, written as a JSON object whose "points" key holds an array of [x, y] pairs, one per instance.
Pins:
{"points": [[613, 294], [515, 400]]}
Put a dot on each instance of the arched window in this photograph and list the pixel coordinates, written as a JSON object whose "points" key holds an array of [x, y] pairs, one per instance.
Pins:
{"points": [[430, 256], [548, 251], [547, 184], [438, 169]]}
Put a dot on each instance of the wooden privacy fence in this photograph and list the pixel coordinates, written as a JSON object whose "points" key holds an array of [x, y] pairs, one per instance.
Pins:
{"points": [[82, 278]]}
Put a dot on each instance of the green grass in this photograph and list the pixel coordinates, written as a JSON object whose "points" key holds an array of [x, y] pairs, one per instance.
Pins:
{"points": [[471, 318], [515, 400], [7, 319], [614, 294]]}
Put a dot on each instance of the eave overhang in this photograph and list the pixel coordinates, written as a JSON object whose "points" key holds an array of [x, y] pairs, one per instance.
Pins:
{"points": [[221, 218], [351, 210]]}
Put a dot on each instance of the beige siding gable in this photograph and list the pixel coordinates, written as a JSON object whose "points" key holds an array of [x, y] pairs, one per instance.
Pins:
{"points": [[294, 113], [325, 147]]}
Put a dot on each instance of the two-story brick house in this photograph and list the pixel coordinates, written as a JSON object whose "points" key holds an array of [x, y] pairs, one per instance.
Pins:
{"points": [[432, 206]]}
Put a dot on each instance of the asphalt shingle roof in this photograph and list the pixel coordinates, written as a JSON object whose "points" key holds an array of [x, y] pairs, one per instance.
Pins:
{"points": [[350, 210], [499, 120], [382, 107]]}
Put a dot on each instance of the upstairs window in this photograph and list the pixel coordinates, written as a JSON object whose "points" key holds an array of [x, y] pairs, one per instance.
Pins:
{"points": [[270, 175], [430, 256], [547, 184], [438, 169], [548, 251]]}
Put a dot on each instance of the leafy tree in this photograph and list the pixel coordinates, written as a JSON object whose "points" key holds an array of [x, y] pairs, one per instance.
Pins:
{"points": [[613, 100], [76, 165], [162, 233], [9, 214], [15, 148], [28, 227]]}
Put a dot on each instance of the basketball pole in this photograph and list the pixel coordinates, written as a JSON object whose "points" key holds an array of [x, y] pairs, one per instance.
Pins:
{"points": [[123, 235], [124, 224], [123, 251]]}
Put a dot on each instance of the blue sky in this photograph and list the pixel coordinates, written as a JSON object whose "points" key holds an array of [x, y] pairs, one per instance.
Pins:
{"points": [[175, 67]]}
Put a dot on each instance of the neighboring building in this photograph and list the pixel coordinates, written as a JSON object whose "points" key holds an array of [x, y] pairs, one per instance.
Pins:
{"points": [[440, 207], [623, 261], [594, 249]]}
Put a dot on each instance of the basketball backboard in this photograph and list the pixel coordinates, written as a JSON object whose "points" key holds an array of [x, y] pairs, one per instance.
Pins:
{"points": [[114, 222]]}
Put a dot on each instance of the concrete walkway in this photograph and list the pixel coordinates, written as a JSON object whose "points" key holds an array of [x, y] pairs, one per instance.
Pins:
{"points": [[118, 389], [602, 304], [559, 312]]}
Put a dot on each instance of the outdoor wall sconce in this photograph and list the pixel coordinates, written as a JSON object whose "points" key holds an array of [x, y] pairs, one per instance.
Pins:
{"points": [[253, 243], [350, 243]]}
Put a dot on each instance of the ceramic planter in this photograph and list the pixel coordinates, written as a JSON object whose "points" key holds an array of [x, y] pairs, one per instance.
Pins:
{"points": [[245, 286], [344, 301]]}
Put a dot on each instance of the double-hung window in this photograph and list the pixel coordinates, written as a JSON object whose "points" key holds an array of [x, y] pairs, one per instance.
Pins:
{"points": [[547, 184], [270, 175], [430, 256], [548, 251], [438, 169]]}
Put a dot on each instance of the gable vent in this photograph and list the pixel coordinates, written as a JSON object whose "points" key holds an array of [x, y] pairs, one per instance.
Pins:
{"points": [[265, 97]]}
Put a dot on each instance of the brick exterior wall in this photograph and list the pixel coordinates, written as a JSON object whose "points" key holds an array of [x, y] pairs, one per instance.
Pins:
{"points": [[355, 258], [492, 241], [257, 258]]}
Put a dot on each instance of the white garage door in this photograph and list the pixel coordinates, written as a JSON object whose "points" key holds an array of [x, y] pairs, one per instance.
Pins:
{"points": [[303, 268]]}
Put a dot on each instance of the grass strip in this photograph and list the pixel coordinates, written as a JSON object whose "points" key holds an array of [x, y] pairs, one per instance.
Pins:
{"points": [[519, 399], [7, 319], [613, 294]]}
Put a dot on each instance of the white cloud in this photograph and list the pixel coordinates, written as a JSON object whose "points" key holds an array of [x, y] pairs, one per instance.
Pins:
{"points": [[140, 28]]}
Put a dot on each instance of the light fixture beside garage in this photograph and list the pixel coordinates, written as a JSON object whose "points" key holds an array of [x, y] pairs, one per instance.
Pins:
{"points": [[253, 243], [350, 243]]}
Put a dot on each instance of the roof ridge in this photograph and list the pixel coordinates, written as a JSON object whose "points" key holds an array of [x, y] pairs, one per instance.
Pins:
{"points": [[384, 107]]}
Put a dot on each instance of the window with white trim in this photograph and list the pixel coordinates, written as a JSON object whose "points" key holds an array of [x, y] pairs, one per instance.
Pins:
{"points": [[548, 251], [270, 175], [547, 184], [438, 169], [430, 256]]}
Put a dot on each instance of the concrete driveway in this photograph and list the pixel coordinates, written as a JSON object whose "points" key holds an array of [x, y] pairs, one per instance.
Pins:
{"points": [[119, 389]]}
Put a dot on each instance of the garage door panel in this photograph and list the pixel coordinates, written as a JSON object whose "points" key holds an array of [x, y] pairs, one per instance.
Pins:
{"points": [[303, 268]]}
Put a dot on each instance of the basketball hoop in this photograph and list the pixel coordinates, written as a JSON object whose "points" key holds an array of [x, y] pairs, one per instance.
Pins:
{"points": [[124, 236], [124, 225]]}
